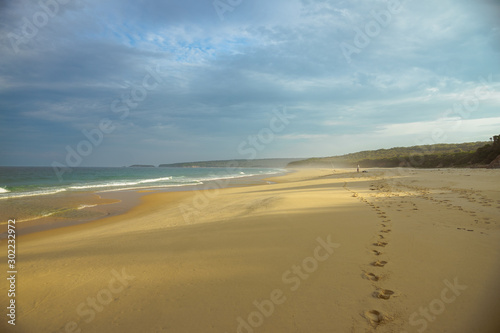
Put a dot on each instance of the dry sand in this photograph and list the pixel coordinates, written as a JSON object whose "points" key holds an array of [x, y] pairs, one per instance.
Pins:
{"points": [[396, 250]]}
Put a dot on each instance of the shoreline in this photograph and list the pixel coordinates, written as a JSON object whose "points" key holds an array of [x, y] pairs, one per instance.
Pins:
{"points": [[115, 203], [109, 203], [342, 251]]}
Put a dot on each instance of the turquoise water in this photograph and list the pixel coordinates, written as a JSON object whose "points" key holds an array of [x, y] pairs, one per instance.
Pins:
{"points": [[22, 182]]}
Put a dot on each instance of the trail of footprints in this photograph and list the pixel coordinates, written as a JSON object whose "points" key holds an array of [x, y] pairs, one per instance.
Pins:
{"points": [[472, 196], [397, 189], [374, 317]]}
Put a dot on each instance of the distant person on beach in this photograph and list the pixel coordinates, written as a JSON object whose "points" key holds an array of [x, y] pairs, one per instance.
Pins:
{"points": [[358, 168]]}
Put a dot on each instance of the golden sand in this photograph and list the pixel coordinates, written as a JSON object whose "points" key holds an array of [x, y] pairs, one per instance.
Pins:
{"points": [[396, 250]]}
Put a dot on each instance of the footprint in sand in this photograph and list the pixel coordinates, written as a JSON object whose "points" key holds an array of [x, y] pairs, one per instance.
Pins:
{"points": [[382, 244], [381, 237], [379, 263], [377, 253], [383, 293], [370, 276], [386, 230], [374, 317]]}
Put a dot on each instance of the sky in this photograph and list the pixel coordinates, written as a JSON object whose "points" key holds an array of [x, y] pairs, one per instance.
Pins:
{"points": [[118, 82]]}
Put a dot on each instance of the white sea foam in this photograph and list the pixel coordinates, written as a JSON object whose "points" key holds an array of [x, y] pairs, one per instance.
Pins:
{"points": [[86, 187], [178, 181], [37, 217], [118, 184], [155, 180], [240, 175], [31, 194], [135, 184], [85, 206], [149, 187]]}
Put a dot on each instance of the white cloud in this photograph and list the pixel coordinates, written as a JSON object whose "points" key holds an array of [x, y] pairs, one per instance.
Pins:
{"points": [[442, 130], [303, 136]]}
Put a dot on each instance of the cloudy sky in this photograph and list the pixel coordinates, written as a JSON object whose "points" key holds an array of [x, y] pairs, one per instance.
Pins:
{"points": [[123, 82]]}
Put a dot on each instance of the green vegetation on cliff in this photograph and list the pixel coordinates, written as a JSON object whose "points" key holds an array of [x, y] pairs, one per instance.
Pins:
{"points": [[427, 156]]}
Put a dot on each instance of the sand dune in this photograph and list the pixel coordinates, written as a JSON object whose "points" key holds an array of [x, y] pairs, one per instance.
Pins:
{"points": [[396, 250]]}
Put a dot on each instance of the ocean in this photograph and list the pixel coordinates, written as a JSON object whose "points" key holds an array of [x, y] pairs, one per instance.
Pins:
{"points": [[33, 193], [18, 182]]}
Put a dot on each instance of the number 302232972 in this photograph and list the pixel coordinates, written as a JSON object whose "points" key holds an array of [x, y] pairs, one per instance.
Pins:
{"points": [[11, 239]]}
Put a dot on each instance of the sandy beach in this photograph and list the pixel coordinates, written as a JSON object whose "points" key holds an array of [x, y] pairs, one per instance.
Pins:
{"points": [[390, 250]]}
